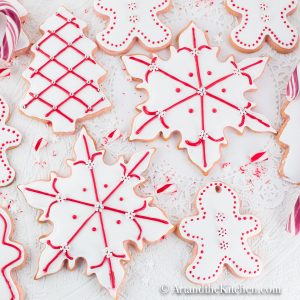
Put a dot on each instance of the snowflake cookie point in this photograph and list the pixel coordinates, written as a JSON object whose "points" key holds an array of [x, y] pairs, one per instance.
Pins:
{"points": [[13, 256], [100, 215], [9, 139], [131, 21], [63, 76], [218, 204], [263, 21], [199, 97]]}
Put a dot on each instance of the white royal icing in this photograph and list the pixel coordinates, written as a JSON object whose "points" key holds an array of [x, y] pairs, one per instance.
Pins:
{"points": [[9, 138], [100, 212], [220, 236], [63, 75], [261, 19], [131, 19], [290, 135], [197, 95], [12, 256]]}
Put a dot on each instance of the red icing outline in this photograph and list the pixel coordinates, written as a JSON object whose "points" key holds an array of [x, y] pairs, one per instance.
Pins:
{"points": [[5, 237]]}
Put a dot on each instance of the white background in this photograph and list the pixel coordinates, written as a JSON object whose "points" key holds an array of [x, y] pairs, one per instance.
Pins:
{"points": [[264, 193]]}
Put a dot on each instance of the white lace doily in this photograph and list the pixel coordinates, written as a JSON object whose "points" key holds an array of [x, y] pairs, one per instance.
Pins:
{"points": [[262, 191]]}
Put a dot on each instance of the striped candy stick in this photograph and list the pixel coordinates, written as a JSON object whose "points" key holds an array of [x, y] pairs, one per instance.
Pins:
{"points": [[11, 31], [293, 225], [293, 86]]}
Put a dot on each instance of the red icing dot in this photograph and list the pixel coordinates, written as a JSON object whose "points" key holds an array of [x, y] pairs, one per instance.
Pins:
{"points": [[223, 90], [74, 217], [121, 198], [209, 72], [191, 110], [84, 189], [118, 222], [94, 228], [178, 90], [106, 185], [214, 110], [191, 74]]}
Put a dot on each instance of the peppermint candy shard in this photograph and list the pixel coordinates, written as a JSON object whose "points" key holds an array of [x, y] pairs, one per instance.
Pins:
{"points": [[197, 95], [99, 215]]}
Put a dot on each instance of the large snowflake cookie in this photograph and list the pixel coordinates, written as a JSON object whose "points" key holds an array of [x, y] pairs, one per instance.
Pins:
{"points": [[130, 20], [263, 20], [289, 136], [96, 213], [220, 235], [63, 75], [9, 138], [12, 257], [197, 95]]}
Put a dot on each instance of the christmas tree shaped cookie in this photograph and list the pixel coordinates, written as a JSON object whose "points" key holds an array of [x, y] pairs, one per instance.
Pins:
{"points": [[64, 76], [196, 95], [96, 213], [220, 235]]}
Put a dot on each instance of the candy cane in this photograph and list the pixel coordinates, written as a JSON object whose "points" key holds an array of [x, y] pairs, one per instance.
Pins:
{"points": [[293, 88], [10, 32]]}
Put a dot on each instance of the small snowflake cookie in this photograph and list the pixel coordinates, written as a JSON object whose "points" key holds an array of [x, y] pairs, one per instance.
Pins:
{"points": [[289, 135], [130, 20], [9, 138], [12, 257], [263, 20], [96, 213], [64, 76], [220, 235], [195, 94]]}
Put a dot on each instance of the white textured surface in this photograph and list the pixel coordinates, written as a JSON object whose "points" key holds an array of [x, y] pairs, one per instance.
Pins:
{"points": [[266, 195]]}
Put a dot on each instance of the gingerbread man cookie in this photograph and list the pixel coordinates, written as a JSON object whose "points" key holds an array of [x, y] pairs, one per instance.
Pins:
{"points": [[130, 20], [220, 235], [263, 20], [63, 75], [288, 136], [96, 213], [12, 257], [9, 138], [195, 94]]}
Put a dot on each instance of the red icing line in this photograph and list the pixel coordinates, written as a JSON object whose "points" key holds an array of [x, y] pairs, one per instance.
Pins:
{"points": [[3, 269]]}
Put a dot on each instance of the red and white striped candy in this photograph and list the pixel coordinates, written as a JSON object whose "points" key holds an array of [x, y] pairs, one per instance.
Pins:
{"points": [[293, 86], [293, 225], [10, 31]]}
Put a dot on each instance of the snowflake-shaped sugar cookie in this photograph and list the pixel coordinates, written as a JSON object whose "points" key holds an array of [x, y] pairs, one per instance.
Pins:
{"points": [[64, 75], [130, 20], [12, 256], [263, 20], [197, 95], [96, 213], [288, 136], [9, 138], [220, 234]]}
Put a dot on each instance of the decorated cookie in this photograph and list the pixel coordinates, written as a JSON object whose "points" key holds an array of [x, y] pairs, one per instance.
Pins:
{"points": [[96, 213], [219, 234], [130, 20], [289, 135], [9, 138], [195, 94], [12, 257], [64, 76], [263, 20]]}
